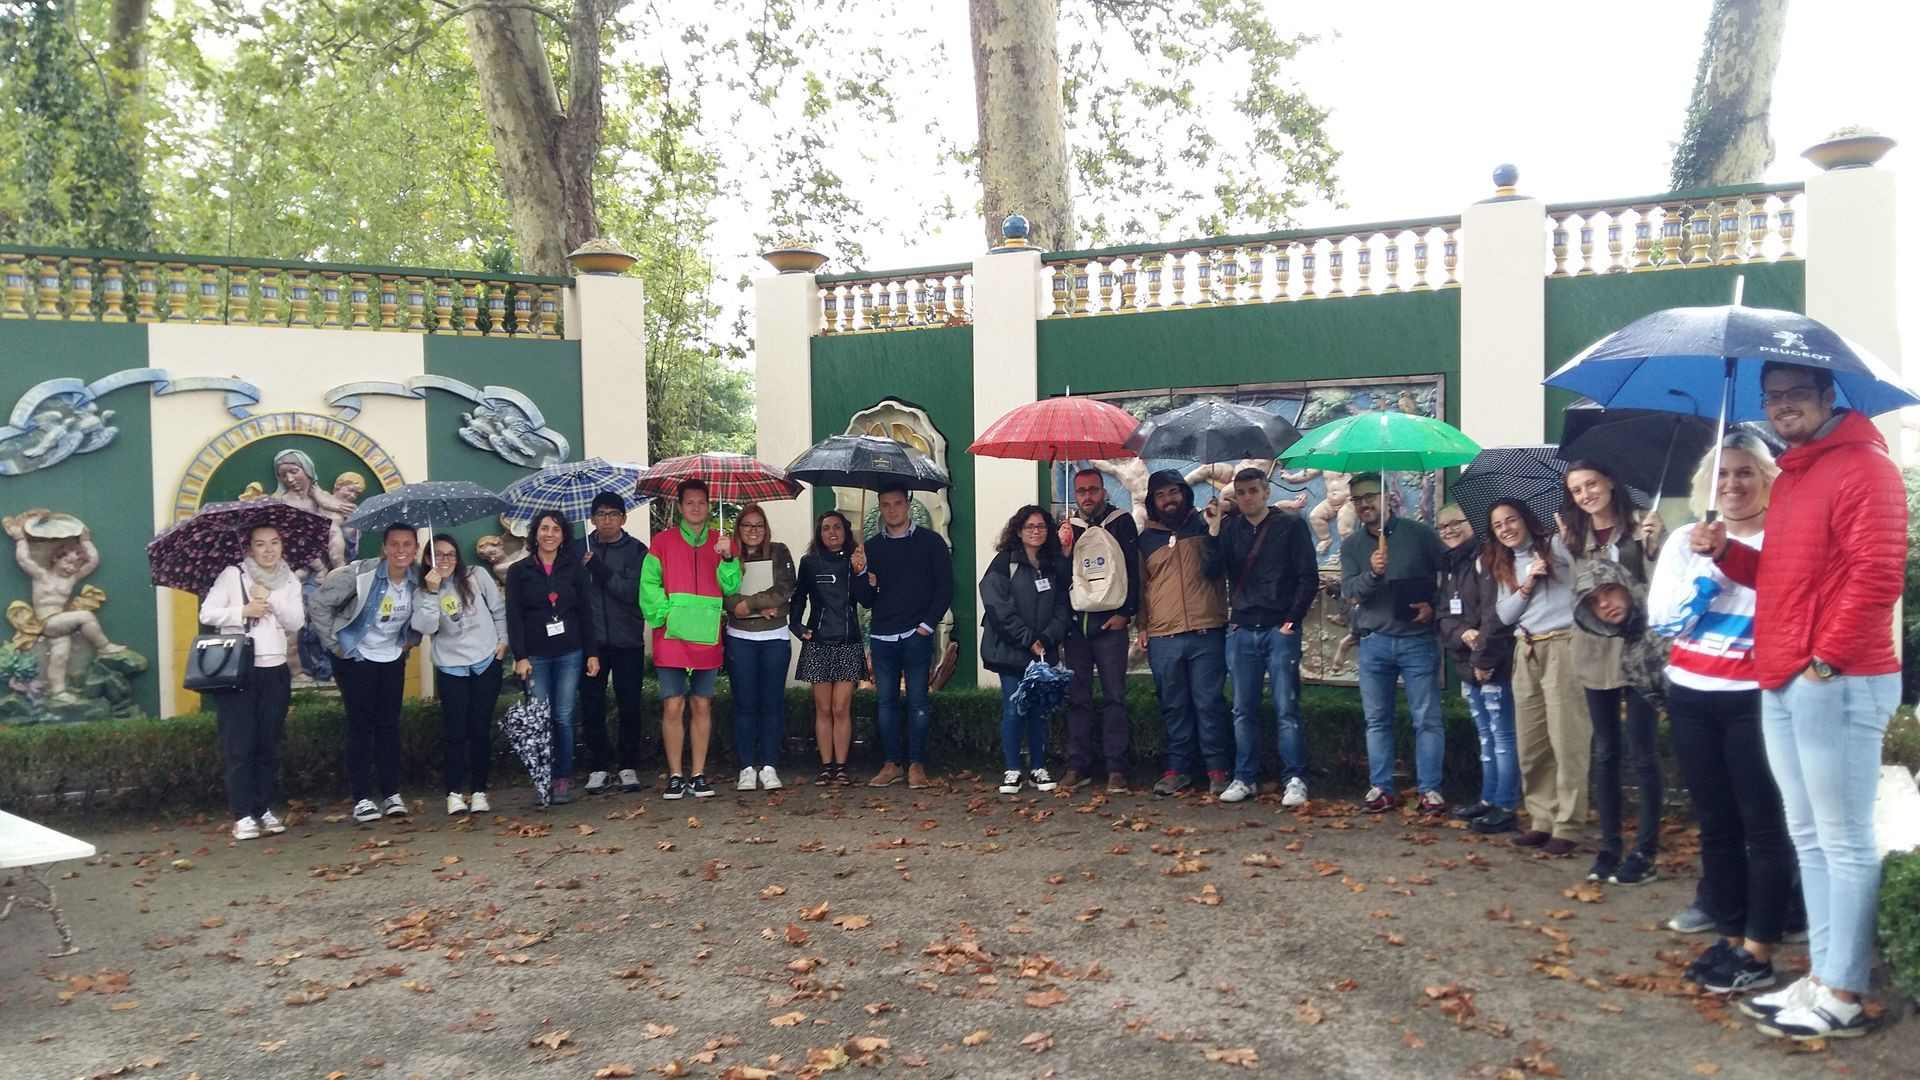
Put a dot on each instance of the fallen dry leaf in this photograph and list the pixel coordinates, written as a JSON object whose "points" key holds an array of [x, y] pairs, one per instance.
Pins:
{"points": [[797, 936], [787, 1019], [814, 913], [772, 891], [615, 1070], [977, 1037], [1244, 1056], [1039, 1041], [1704, 1068], [1309, 1013], [657, 1031], [853, 922], [270, 1047], [826, 1058], [865, 1045], [1046, 999], [552, 1039], [1587, 892]]}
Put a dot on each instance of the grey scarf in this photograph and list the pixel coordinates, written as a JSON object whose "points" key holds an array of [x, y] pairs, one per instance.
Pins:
{"points": [[260, 575]]}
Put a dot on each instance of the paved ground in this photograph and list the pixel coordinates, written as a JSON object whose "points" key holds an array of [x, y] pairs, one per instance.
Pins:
{"points": [[945, 933]]}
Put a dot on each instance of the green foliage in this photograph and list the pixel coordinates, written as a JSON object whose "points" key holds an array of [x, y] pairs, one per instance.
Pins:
{"points": [[1899, 926], [69, 174]]}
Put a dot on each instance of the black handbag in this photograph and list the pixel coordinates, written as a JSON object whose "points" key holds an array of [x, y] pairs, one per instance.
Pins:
{"points": [[218, 663]]}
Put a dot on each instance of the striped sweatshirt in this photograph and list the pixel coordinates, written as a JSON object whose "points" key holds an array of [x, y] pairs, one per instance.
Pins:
{"points": [[1708, 616]]}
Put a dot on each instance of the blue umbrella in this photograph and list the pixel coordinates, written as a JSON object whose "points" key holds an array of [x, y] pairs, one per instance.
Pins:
{"points": [[570, 489], [431, 504], [1042, 688]]}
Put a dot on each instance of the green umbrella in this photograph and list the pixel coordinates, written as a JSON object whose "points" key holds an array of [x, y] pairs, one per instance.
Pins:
{"points": [[1384, 441]]}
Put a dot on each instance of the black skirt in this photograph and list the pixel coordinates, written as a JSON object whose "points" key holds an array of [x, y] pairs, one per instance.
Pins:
{"points": [[825, 662]]}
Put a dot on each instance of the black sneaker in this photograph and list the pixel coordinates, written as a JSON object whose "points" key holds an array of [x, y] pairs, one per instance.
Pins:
{"points": [[701, 789], [1471, 810], [1715, 953], [1737, 973], [1637, 870], [676, 787], [1604, 864], [1497, 820]]}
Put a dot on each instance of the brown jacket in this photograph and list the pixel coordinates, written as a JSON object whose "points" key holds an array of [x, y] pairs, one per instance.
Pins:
{"points": [[1176, 595]]}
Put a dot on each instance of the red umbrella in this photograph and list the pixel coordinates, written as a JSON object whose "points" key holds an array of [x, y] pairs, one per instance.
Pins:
{"points": [[736, 478], [1058, 429]]}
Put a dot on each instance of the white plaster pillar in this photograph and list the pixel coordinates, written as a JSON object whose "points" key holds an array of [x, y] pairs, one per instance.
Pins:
{"points": [[786, 310], [1503, 317], [607, 315], [1852, 265], [1006, 375]]}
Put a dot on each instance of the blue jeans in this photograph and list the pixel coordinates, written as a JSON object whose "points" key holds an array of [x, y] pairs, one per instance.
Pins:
{"points": [[758, 671], [556, 681], [1492, 708], [1823, 743], [1188, 672], [1253, 655], [1415, 659], [1012, 726], [913, 656]]}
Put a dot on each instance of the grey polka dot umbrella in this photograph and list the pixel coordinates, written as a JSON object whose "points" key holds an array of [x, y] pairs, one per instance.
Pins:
{"points": [[430, 504]]}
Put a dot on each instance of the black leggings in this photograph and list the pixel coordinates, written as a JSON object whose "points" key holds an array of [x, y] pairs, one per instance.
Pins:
{"points": [[1747, 862], [466, 713], [1604, 773], [251, 721]]}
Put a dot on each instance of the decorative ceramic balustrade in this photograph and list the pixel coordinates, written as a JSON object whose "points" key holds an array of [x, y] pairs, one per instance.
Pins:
{"points": [[903, 300], [43, 283], [1673, 232]]}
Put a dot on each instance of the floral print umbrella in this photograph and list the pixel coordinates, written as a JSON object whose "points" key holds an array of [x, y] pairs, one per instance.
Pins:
{"points": [[528, 725], [190, 554]]}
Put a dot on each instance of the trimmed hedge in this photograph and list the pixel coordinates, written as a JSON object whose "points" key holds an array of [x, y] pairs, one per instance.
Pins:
{"points": [[149, 761], [1900, 920]]}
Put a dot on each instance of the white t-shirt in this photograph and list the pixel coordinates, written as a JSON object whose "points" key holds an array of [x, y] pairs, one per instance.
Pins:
{"points": [[387, 630]]}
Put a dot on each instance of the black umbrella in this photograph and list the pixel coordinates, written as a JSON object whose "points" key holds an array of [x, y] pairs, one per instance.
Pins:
{"points": [[869, 462], [430, 504], [1656, 451], [1533, 475], [528, 726], [1213, 430]]}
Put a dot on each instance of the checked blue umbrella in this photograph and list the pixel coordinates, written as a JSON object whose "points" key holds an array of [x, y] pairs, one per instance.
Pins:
{"points": [[570, 489]]}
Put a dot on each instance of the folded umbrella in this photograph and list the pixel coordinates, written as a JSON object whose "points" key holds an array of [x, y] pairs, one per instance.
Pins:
{"points": [[1213, 430], [570, 489], [1042, 688], [528, 726], [190, 554], [430, 504]]}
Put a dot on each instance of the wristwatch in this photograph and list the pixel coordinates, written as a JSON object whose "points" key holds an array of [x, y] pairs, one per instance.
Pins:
{"points": [[1821, 669]]}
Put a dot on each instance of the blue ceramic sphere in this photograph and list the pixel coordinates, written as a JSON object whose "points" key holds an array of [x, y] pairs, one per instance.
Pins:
{"points": [[1014, 227], [1506, 175]]}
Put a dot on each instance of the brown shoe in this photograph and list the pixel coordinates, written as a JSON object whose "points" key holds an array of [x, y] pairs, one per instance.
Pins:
{"points": [[1559, 847], [1117, 783], [916, 776], [1531, 838], [1071, 780], [887, 777]]}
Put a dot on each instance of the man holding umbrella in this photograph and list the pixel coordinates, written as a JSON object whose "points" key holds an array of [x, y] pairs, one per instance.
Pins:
{"points": [[1826, 584], [1392, 588], [1182, 615], [1105, 595], [905, 574], [614, 558]]}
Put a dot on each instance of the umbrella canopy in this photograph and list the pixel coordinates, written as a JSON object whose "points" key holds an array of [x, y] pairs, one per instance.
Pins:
{"points": [[1680, 359], [1654, 451], [1058, 429], [431, 504], [1535, 475], [1209, 431], [1386, 441], [570, 488], [191, 553], [1041, 690], [867, 461], [735, 478], [528, 726]]}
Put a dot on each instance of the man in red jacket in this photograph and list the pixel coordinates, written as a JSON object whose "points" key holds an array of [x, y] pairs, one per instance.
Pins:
{"points": [[1826, 583]]}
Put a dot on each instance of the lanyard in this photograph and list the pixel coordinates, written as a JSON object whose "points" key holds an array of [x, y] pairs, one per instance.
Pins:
{"points": [[553, 598]]}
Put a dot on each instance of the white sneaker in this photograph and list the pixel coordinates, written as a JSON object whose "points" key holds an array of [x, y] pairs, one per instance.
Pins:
{"points": [[1819, 1015], [749, 779], [365, 811], [1296, 793], [271, 824], [479, 804], [769, 780], [394, 806], [1042, 780], [1238, 791], [456, 804], [596, 783], [1010, 782], [246, 829], [629, 780]]}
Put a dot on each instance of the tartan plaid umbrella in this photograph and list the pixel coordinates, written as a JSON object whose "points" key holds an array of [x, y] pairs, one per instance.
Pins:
{"points": [[735, 478], [570, 489], [191, 553], [430, 504], [1058, 429]]}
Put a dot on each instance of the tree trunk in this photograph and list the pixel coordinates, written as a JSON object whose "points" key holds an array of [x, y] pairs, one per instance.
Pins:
{"points": [[546, 149], [1023, 126], [127, 45], [1726, 140]]}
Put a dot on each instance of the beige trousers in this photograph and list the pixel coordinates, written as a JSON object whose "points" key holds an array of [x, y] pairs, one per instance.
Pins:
{"points": [[1554, 734]]}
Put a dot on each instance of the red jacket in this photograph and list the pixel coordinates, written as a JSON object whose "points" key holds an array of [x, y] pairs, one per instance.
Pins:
{"points": [[1831, 571]]}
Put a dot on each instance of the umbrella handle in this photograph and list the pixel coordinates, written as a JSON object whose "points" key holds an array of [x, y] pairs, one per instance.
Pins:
{"points": [[1719, 442]]}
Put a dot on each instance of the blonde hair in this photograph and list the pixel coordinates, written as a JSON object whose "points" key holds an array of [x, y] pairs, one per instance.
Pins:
{"points": [[1746, 442]]}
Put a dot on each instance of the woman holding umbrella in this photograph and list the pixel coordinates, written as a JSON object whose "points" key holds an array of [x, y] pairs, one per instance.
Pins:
{"points": [[259, 597], [1534, 595], [759, 648], [548, 629], [825, 618], [468, 620], [1597, 522], [1023, 595]]}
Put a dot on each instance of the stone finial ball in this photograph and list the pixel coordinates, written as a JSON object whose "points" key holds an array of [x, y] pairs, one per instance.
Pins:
{"points": [[1014, 227], [1506, 175]]}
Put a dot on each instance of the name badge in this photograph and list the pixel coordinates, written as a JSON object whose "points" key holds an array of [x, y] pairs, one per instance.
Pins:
{"points": [[1043, 584], [450, 605], [386, 606], [1454, 607], [556, 628]]}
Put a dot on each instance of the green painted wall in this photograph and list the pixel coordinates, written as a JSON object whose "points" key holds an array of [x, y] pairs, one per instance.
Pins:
{"points": [[253, 463], [930, 369], [1582, 310], [546, 371], [110, 489]]}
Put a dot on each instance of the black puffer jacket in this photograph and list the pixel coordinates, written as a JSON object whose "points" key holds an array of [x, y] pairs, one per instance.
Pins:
{"points": [[613, 603], [823, 601], [1463, 577], [1017, 611]]}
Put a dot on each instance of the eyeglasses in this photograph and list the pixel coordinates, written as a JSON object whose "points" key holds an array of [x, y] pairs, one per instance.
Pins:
{"points": [[1792, 395], [1095, 490], [440, 556], [1034, 526], [599, 514], [1461, 524]]}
